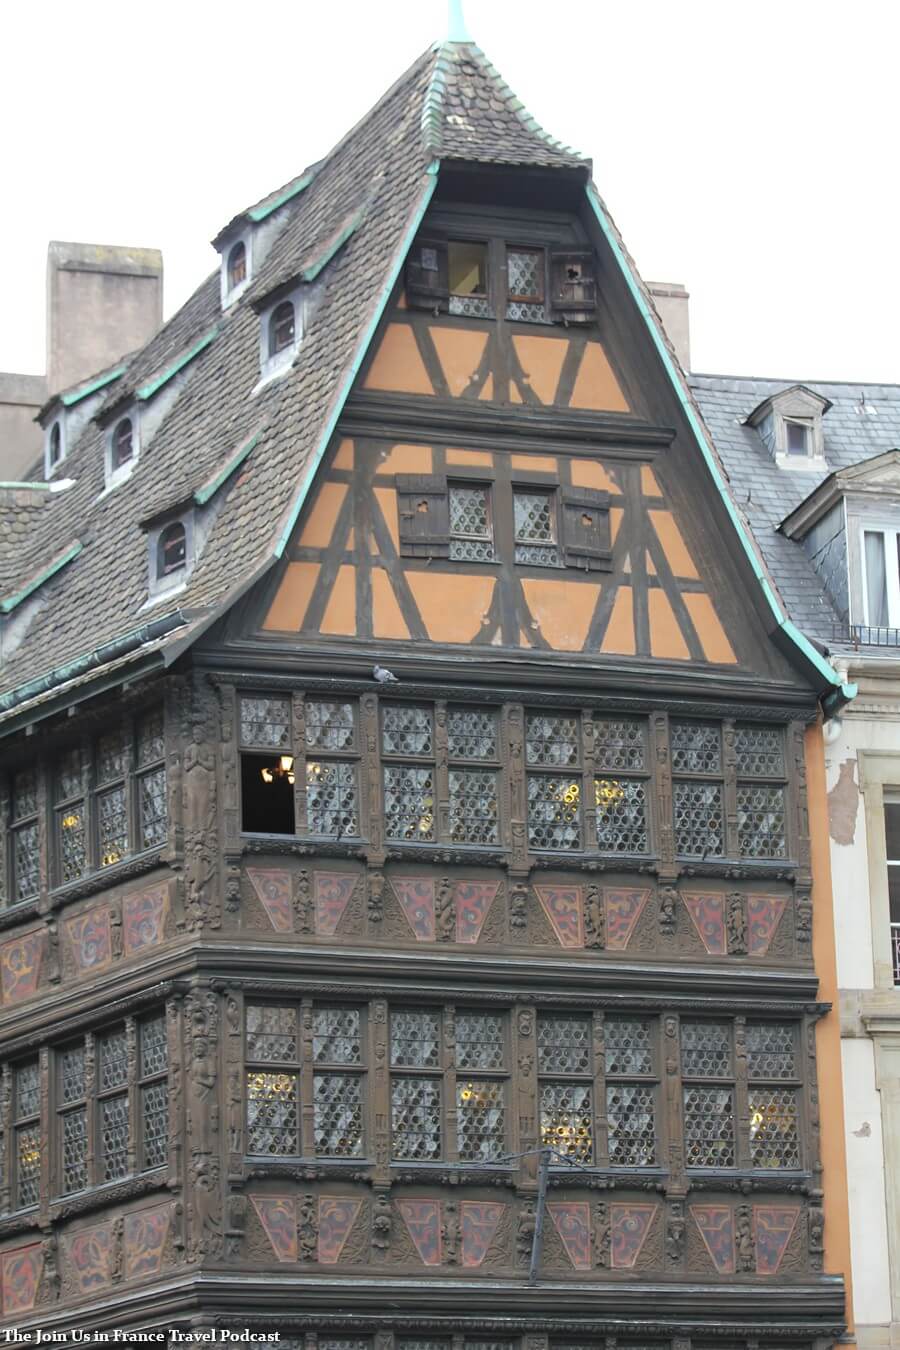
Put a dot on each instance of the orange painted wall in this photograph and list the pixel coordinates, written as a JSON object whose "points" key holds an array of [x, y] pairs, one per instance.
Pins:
{"points": [[828, 1029]]}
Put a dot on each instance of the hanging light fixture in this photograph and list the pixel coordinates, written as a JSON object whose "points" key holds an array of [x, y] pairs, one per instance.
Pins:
{"points": [[283, 769]]}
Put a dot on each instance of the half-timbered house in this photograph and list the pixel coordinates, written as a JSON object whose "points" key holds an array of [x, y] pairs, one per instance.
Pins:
{"points": [[410, 904]]}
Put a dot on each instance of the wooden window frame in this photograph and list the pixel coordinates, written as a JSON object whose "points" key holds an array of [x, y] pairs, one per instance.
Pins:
{"points": [[514, 297]]}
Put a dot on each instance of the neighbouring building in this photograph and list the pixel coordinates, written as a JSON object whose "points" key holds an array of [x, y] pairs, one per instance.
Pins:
{"points": [[815, 469], [417, 928]]}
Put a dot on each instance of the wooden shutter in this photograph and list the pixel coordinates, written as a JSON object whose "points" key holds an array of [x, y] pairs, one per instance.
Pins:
{"points": [[424, 512], [427, 286], [573, 285], [585, 529]]}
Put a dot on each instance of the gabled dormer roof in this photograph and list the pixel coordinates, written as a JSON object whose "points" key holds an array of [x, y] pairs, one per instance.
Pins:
{"points": [[877, 477]]}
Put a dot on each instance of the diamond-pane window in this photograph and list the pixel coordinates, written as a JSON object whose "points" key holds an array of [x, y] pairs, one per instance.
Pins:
{"points": [[72, 1074], [151, 742], [69, 775], [534, 520], [761, 821], [471, 733], [474, 808], [526, 311], [525, 285], [699, 820], [567, 1119], [28, 1090], [771, 1050], [24, 794], [154, 1046], [471, 538], [337, 1115], [551, 741], [408, 803], [406, 730], [336, 1036], [774, 1140], [759, 752], [272, 1114], [621, 805], [112, 825], [696, 747], [416, 1118], [709, 1126], [480, 1119], [480, 1041], [271, 1033], [631, 1125], [329, 726], [628, 1045], [266, 722], [110, 761], [155, 1124], [152, 811], [554, 811], [71, 841], [619, 744], [26, 862], [114, 1137], [564, 1043], [706, 1049], [113, 1060], [415, 1038], [74, 1150], [332, 797], [28, 1165]]}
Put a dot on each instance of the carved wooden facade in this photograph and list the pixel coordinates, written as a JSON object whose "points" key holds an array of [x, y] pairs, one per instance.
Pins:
{"points": [[300, 968]]}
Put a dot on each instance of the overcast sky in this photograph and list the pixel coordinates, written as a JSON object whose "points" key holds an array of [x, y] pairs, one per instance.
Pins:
{"points": [[749, 150]]}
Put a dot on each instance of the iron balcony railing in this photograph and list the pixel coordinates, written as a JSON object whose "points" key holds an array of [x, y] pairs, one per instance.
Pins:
{"points": [[858, 635], [895, 950]]}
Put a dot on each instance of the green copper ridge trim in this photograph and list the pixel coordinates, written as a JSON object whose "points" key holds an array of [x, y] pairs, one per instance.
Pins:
{"points": [[148, 390], [211, 487], [34, 487], [838, 692], [361, 349], [310, 273], [76, 395], [258, 213], [8, 604]]}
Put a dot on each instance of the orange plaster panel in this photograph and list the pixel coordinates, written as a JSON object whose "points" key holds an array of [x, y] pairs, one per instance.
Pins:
{"points": [[319, 528], [387, 620], [649, 484], [487, 389], [615, 520], [482, 457], [398, 365], [596, 385], [619, 635], [344, 457], [715, 644], [292, 598], [514, 395], [387, 500], [666, 638], [407, 459], [563, 610], [459, 351], [536, 463], [541, 360], [401, 301], [340, 612], [451, 607], [588, 473], [674, 547]]}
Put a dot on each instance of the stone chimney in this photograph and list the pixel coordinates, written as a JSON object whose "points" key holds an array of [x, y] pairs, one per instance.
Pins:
{"points": [[671, 301], [103, 300], [21, 439]]}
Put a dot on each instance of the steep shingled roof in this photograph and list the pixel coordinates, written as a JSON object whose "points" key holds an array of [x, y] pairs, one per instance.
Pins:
{"points": [[450, 104], [863, 420]]}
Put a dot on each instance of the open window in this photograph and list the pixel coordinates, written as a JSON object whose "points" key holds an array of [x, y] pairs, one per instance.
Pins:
{"points": [[171, 549]]}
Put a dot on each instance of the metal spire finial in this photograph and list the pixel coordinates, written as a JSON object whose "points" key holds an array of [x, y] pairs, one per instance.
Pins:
{"points": [[456, 22]]}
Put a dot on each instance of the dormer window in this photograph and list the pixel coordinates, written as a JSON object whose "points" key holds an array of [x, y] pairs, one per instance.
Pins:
{"points": [[55, 450], [122, 449], [122, 443], [789, 424], [525, 284], [281, 328], [171, 549], [467, 271], [237, 264]]}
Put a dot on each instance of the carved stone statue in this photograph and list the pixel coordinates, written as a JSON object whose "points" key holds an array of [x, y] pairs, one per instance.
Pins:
{"points": [[594, 918], [445, 910], [744, 1238], [668, 909], [736, 924], [307, 1228], [381, 1226]]}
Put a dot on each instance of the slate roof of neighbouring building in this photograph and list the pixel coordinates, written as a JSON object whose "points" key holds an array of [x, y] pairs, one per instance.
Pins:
{"points": [[864, 420]]}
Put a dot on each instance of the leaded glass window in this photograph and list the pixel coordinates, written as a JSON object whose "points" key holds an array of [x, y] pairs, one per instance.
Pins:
{"points": [[471, 529], [72, 1118], [332, 779], [409, 789], [337, 1093], [696, 747], [554, 800], [480, 1040], [773, 1105], [759, 752], [273, 1081], [698, 805], [708, 1108], [27, 1140], [620, 744], [472, 733], [152, 809], [535, 528], [111, 765], [407, 730], [24, 838], [266, 721], [630, 1105], [71, 838], [525, 285], [329, 725], [112, 1085], [761, 817], [565, 1084], [474, 791], [153, 1090], [480, 1119], [621, 787], [416, 1095]]}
